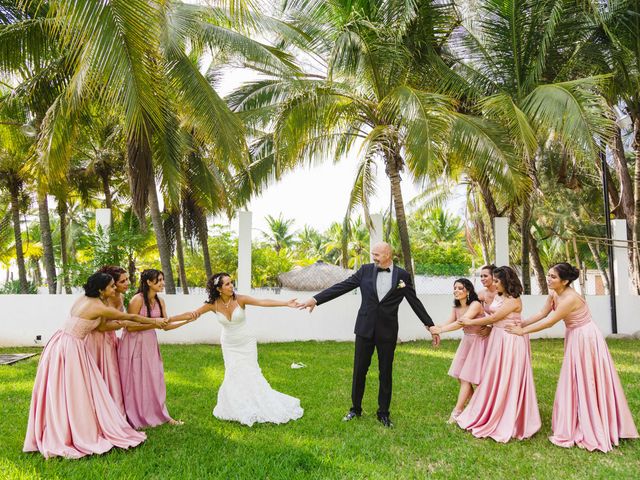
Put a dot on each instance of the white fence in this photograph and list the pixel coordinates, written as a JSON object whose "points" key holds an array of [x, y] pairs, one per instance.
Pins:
{"points": [[24, 317]]}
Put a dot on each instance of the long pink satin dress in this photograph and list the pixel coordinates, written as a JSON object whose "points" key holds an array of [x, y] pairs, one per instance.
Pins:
{"points": [[590, 409], [467, 363], [72, 413], [103, 347], [142, 375], [504, 406]]}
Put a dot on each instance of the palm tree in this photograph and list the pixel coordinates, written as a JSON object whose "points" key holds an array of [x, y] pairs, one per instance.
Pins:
{"points": [[360, 90], [279, 234], [132, 57], [612, 48], [14, 150], [513, 62]]}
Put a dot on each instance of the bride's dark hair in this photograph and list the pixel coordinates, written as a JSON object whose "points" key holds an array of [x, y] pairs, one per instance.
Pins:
{"points": [[213, 284]]}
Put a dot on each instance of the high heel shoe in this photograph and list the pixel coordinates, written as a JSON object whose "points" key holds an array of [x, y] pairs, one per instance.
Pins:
{"points": [[454, 416]]}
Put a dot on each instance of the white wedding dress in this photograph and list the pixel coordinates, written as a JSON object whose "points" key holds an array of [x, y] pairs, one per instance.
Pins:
{"points": [[245, 396]]}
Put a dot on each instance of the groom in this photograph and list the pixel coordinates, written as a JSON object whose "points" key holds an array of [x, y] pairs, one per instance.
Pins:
{"points": [[383, 285]]}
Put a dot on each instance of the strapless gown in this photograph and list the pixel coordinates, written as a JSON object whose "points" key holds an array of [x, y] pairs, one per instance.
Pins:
{"points": [[467, 363], [245, 396], [142, 375], [504, 406], [590, 409], [103, 347], [72, 413]]}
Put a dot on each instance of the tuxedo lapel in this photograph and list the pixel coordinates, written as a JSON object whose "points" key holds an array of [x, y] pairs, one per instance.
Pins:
{"points": [[394, 282], [374, 281]]}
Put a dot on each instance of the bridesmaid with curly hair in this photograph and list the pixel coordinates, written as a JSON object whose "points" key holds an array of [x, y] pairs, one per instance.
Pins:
{"points": [[504, 406]]}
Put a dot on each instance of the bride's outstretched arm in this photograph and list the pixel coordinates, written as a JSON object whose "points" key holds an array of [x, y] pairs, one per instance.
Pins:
{"points": [[266, 302]]}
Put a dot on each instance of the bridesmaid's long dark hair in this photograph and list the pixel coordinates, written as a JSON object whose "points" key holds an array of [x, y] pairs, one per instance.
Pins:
{"points": [[472, 296], [153, 276], [213, 284]]}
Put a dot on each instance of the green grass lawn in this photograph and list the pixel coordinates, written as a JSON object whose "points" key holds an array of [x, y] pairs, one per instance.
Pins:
{"points": [[319, 445]]}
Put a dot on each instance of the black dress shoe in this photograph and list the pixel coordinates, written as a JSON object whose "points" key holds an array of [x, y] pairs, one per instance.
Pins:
{"points": [[385, 420], [350, 416]]}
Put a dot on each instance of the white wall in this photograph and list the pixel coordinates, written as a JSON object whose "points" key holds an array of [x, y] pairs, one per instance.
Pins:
{"points": [[25, 316]]}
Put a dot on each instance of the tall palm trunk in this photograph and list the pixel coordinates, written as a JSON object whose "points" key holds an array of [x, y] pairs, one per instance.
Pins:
{"points": [[14, 190], [161, 238], [48, 257], [394, 165], [525, 233], [180, 252], [106, 189], [203, 237], [636, 191], [537, 266], [62, 213]]}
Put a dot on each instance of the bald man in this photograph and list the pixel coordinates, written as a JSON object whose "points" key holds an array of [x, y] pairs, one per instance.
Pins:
{"points": [[383, 285]]}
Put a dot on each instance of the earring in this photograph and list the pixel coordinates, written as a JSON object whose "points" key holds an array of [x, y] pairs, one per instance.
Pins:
{"points": [[467, 298]]}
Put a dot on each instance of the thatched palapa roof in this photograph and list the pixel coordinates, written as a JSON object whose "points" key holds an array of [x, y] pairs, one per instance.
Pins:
{"points": [[315, 277]]}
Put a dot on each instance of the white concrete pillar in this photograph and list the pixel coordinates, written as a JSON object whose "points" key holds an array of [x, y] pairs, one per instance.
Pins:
{"points": [[620, 257], [375, 232], [103, 218], [244, 252], [501, 228]]}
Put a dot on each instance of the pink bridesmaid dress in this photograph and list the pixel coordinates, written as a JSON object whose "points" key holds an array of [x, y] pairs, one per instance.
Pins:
{"points": [[72, 413], [590, 409], [467, 363], [103, 347], [504, 406], [142, 375]]}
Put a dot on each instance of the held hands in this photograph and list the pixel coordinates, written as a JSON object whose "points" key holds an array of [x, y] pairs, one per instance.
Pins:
{"points": [[309, 303], [435, 337], [293, 303], [435, 330], [161, 322]]}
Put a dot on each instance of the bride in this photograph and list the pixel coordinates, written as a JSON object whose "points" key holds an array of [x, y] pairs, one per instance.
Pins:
{"points": [[245, 395]]}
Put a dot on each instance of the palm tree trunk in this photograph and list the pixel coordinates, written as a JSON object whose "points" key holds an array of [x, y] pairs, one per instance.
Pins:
{"points": [[62, 213], [161, 238], [106, 190], [525, 233], [180, 252], [203, 237], [37, 274], [14, 190], [636, 193], [537, 266], [489, 204], [48, 257], [393, 167]]}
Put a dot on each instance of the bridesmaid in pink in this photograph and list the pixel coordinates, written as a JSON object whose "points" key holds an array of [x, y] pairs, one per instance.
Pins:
{"points": [[141, 368], [504, 406], [489, 292], [102, 343], [467, 363], [590, 409], [72, 413]]}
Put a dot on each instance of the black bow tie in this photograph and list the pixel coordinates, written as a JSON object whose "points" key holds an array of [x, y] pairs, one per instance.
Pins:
{"points": [[380, 269]]}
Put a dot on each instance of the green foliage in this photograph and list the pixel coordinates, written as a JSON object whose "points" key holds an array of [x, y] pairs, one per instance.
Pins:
{"points": [[267, 264], [13, 287], [442, 259]]}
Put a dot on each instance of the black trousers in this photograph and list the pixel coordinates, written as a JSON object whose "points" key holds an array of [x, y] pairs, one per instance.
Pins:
{"points": [[362, 361]]}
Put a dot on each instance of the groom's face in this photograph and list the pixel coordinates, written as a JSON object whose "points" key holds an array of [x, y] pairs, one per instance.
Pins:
{"points": [[381, 256]]}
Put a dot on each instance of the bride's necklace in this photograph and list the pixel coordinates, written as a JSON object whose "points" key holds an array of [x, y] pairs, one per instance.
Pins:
{"points": [[226, 305]]}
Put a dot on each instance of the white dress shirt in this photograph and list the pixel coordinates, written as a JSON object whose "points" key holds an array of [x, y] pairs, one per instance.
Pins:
{"points": [[383, 282]]}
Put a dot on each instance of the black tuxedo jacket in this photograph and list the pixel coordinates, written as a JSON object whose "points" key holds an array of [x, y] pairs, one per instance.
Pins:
{"points": [[378, 315]]}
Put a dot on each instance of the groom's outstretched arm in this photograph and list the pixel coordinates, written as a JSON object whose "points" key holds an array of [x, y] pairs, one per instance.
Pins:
{"points": [[416, 304], [340, 288]]}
